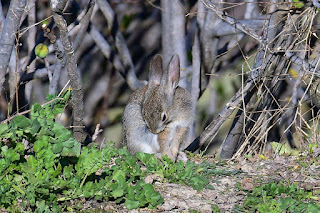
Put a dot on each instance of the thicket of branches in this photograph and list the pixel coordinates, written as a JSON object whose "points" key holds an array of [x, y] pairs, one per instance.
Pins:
{"points": [[104, 47]]}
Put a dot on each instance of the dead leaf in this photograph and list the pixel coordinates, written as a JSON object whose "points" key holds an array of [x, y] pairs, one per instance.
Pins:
{"points": [[247, 184]]}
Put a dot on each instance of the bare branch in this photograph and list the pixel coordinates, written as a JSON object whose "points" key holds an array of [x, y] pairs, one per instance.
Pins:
{"points": [[252, 9], [95, 95], [59, 64], [226, 29], [121, 45], [77, 96], [53, 87], [31, 42], [2, 18], [196, 66], [212, 129], [263, 60], [208, 43], [84, 23], [8, 35], [173, 33], [224, 16], [316, 3], [229, 145], [105, 48]]}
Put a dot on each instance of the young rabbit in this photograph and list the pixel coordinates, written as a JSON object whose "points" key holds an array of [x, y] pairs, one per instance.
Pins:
{"points": [[158, 116]]}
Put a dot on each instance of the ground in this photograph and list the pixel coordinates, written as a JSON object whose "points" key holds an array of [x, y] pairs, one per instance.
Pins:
{"points": [[229, 190]]}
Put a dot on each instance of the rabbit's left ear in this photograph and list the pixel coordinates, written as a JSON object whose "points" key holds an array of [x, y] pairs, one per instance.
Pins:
{"points": [[155, 71], [171, 76]]}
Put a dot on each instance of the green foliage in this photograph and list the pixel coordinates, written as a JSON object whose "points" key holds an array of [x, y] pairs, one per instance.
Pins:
{"points": [[188, 173], [215, 208], [276, 197], [58, 169], [42, 130]]}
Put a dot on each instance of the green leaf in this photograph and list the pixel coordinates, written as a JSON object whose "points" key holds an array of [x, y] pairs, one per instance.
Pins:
{"points": [[118, 174], [156, 198], [3, 128], [57, 147], [57, 110], [61, 132], [4, 149], [148, 190], [131, 204], [42, 206], [39, 144], [215, 208], [32, 162], [74, 151], [68, 171], [10, 154], [35, 126], [36, 108], [20, 121], [283, 149], [19, 147], [69, 143], [117, 193], [142, 156]]}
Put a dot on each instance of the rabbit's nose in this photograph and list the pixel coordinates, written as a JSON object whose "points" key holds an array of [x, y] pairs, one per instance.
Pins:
{"points": [[155, 130], [159, 129]]}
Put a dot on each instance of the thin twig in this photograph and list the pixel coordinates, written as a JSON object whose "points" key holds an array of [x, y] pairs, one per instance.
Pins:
{"points": [[97, 131], [224, 16], [29, 110]]}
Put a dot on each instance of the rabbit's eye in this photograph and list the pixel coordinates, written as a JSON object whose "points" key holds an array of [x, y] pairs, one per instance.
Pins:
{"points": [[163, 117]]}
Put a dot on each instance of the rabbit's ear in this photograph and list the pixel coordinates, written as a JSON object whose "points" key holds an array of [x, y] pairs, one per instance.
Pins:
{"points": [[172, 75], [155, 72]]}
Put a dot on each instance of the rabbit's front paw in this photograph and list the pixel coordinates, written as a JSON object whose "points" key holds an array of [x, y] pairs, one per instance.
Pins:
{"points": [[182, 156]]}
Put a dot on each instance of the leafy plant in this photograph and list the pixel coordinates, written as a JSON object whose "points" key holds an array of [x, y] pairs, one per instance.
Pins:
{"points": [[276, 197], [195, 175], [56, 169]]}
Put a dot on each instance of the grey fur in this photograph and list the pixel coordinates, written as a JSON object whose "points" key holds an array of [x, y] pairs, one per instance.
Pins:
{"points": [[161, 107]]}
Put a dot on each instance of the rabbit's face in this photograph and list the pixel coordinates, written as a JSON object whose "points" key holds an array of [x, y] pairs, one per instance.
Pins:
{"points": [[155, 109]]}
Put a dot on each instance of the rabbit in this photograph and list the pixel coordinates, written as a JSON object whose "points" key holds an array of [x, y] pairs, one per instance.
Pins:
{"points": [[158, 117]]}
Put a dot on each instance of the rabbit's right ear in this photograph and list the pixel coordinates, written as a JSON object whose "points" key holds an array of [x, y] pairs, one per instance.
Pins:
{"points": [[155, 72], [171, 76]]}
